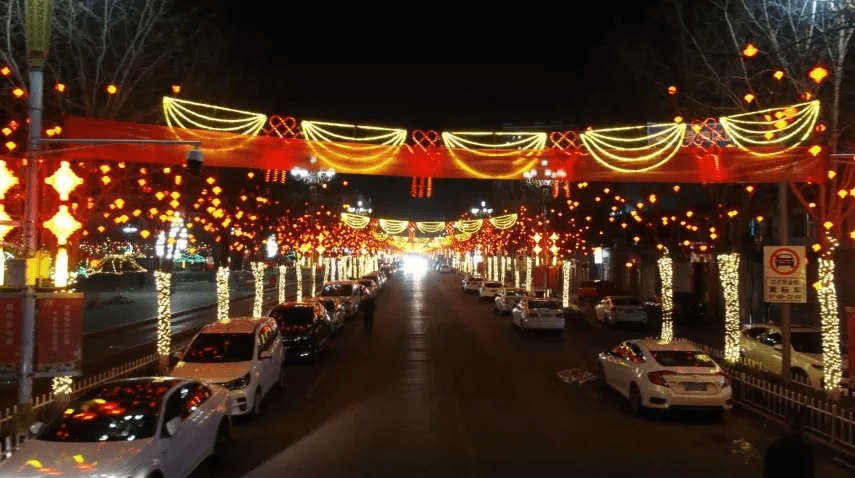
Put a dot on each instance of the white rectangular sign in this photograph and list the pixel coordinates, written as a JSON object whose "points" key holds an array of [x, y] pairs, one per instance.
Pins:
{"points": [[784, 274]]}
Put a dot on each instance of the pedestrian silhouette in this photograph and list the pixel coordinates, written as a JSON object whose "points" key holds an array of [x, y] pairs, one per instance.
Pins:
{"points": [[790, 455], [368, 313]]}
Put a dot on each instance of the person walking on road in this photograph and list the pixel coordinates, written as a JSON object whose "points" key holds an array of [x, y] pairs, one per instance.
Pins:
{"points": [[368, 313], [790, 455]]}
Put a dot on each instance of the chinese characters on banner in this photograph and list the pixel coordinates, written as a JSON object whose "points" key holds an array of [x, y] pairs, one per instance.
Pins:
{"points": [[10, 350], [60, 334], [784, 274]]}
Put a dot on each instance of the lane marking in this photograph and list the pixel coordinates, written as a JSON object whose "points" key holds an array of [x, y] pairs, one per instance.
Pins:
{"points": [[318, 381]]}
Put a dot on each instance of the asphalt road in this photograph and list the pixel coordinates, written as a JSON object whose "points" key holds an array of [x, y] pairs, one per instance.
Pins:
{"points": [[442, 387]]}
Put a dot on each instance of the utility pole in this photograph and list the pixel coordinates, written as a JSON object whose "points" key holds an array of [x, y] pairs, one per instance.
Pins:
{"points": [[38, 25], [784, 228]]}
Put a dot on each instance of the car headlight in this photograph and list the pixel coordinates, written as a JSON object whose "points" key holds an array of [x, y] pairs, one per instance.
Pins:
{"points": [[238, 383]]}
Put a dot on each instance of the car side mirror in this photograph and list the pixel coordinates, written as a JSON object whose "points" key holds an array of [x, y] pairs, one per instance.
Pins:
{"points": [[36, 428], [265, 355], [172, 426]]}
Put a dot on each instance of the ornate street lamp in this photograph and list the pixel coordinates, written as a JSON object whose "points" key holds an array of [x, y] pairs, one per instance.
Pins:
{"points": [[544, 183]]}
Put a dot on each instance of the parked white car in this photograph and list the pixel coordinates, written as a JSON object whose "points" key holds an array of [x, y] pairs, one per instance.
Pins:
{"points": [[490, 289], [377, 277], [666, 375], [243, 354], [538, 313], [762, 345], [445, 269], [348, 291], [472, 283], [373, 288], [507, 300], [335, 309], [620, 308], [140, 427]]}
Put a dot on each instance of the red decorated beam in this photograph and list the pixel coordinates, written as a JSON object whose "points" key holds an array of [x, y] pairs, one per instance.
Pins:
{"points": [[688, 165]]}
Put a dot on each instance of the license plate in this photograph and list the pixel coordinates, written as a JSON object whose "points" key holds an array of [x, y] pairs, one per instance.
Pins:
{"points": [[695, 387]]}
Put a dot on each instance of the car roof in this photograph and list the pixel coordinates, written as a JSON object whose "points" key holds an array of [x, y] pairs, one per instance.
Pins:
{"points": [[235, 325], [656, 344]]}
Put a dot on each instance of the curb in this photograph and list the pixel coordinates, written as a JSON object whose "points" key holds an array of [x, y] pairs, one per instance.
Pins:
{"points": [[153, 320]]}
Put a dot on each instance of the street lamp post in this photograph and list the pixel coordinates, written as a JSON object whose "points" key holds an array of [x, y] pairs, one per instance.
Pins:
{"points": [[313, 179], [544, 184]]}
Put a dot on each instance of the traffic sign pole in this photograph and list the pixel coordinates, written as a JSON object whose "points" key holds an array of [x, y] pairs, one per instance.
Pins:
{"points": [[784, 226]]}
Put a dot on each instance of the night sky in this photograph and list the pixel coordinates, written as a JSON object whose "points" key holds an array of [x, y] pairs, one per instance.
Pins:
{"points": [[392, 67]]}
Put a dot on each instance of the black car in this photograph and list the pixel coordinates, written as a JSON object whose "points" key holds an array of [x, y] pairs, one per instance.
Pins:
{"points": [[305, 328]]}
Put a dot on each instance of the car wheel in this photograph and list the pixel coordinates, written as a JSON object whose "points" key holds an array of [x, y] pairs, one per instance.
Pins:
{"points": [[221, 443], [601, 373], [635, 399], [256, 404]]}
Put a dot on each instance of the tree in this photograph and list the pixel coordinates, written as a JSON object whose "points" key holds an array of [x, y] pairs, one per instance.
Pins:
{"points": [[141, 48], [743, 56]]}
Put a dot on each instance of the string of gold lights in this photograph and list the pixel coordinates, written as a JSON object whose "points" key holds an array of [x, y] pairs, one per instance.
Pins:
{"points": [[503, 222], [630, 146], [786, 128], [469, 226], [391, 226], [431, 227], [181, 113], [354, 220]]}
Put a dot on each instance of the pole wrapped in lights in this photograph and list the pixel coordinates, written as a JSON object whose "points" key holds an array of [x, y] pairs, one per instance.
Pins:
{"points": [[314, 279], [665, 274], [327, 269], [62, 385], [830, 322], [222, 279], [258, 276], [728, 266], [528, 266], [163, 284], [283, 270], [298, 269], [565, 293]]}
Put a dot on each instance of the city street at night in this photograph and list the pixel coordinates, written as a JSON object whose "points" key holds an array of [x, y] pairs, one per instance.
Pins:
{"points": [[443, 387]]}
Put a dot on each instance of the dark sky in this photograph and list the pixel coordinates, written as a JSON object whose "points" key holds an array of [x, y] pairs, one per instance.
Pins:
{"points": [[394, 66]]}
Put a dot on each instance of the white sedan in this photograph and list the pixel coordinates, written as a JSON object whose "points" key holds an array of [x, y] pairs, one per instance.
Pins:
{"points": [[538, 313], [490, 289], [472, 283], [507, 300], [244, 355], [620, 308], [666, 375], [141, 427]]}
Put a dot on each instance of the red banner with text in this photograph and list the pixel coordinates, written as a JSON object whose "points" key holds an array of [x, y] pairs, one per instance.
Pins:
{"points": [[60, 334], [10, 352]]}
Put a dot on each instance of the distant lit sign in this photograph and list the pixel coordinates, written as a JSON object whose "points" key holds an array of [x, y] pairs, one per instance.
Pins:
{"points": [[598, 255]]}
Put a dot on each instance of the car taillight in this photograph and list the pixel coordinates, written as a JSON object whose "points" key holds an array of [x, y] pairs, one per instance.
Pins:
{"points": [[725, 379], [658, 378]]}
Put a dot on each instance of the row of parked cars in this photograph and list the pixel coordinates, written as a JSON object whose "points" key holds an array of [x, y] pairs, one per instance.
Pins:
{"points": [[165, 426], [650, 373]]}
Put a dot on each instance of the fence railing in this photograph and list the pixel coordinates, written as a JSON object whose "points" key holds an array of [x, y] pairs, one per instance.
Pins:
{"points": [[13, 437], [824, 418]]}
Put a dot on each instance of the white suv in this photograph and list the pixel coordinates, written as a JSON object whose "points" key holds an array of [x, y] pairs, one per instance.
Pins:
{"points": [[244, 355], [346, 290], [761, 344]]}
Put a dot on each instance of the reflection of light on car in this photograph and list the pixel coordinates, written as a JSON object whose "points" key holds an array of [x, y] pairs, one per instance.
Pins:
{"points": [[415, 265]]}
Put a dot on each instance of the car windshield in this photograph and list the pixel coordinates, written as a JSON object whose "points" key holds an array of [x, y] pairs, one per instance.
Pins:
{"points": [[118, 411], [543, 304], [807, 342], [683, 358], [329, 305], [219, 348], [337, 290], [367, 283], [290, 316], [625, 301]]}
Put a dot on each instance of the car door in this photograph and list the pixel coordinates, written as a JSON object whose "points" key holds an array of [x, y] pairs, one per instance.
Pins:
{"points": [[181, 450], [268, 368], [752, 345], [616, 368], [600, 310], [322, 328], [771, 357]]}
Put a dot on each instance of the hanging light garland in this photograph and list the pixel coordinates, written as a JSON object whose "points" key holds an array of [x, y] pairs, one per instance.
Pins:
{"points": [[184, 114], [786, 128], [431, 227], [665, 274], [629, 149], [355, 221], [392, 226], [503, 222], [470, 226], [529, 145], [728, 265]]}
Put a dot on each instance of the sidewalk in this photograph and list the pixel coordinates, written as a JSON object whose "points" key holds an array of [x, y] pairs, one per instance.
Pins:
{"points": [[142, 303]]}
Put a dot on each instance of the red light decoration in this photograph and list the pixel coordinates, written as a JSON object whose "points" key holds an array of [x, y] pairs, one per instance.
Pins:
{"points": [[818, 74], [750, 51], [5, 71], [18, 92], [60, 87], [112, 89]]}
